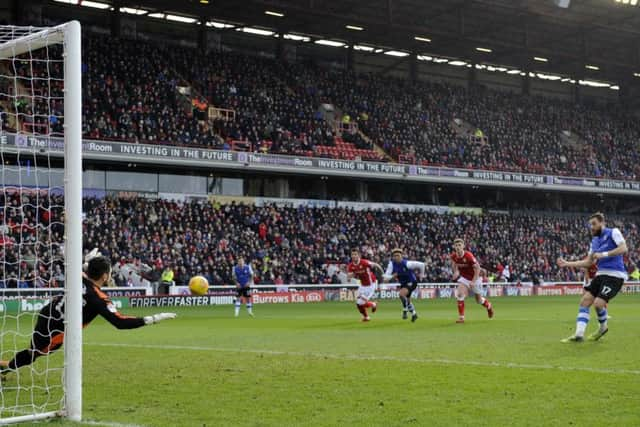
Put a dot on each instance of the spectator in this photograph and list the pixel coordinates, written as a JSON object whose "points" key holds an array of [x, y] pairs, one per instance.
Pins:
{"points": [[166, 281]]}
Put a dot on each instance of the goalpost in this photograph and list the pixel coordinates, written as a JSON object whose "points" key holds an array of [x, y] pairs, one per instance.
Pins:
{"points": [[40, 214]]}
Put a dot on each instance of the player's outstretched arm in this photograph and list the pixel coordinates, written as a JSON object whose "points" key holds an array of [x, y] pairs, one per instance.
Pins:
{"points": [[156, 318], [91, 255], [583, 263], [377, 268], [105, 308], [121, 321]]}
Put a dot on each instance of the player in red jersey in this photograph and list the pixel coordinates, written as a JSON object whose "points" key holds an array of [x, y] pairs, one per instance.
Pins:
{"points": [[362, 270], [466, 271]]}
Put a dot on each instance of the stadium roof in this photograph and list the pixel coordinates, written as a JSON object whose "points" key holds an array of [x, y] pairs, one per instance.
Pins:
{"points": [[595, 39]]}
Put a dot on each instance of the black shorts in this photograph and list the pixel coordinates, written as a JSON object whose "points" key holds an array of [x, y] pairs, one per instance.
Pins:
{"points": [[410, 286], [605, 287], [243, 292], [48, 334]]}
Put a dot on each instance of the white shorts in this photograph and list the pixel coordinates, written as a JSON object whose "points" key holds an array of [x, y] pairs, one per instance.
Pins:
{"points": [[366, 293], [474, 288]]}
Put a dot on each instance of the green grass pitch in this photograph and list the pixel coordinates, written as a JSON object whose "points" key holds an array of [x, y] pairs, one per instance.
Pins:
{"points": [[318, 365]]}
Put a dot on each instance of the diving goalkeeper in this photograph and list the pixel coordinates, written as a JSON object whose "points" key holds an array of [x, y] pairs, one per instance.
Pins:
{"points": [[48, 335]]}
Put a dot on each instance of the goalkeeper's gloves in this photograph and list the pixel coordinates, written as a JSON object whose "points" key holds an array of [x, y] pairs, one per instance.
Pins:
{"points": [[88, 257], [150, 320]]}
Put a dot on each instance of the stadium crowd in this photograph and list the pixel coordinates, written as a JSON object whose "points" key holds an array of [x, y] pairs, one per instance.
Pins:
{"points": [[524, 134], [285, 245], [266, 108], [31, 240], [131, 93], [277, 107]]}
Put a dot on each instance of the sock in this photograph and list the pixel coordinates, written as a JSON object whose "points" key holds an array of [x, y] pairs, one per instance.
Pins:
{"points": [[461, 308], [411, 308], [250, 308], [485, 303], [369, 304], [24, 358], [582, 321], [602, 318], [404, 303], [238, 304], [362, 309]]}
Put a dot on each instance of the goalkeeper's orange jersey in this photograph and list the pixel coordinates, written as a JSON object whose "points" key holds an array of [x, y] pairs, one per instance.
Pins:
{"points": [[95, 303], [48, 334]]}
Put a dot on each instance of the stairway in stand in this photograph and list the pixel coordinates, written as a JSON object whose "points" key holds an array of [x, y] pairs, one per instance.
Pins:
{"points": [[347, 151]]}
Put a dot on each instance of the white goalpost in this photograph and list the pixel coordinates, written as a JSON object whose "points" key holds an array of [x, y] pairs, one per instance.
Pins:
{"points": [[40, 215]]}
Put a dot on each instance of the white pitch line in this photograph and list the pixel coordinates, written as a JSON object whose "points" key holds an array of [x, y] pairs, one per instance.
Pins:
{"points": [[510, 365], [107, 424]]}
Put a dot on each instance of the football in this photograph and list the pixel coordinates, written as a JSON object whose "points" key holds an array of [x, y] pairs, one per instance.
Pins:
{"points": [[198, 285]]}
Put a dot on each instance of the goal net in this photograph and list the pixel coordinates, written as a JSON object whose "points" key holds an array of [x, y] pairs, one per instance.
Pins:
{"points": [[40, 216]]}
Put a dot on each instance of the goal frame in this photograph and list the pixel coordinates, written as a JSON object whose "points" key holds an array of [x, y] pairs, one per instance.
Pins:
{"points": [[69, 35]]}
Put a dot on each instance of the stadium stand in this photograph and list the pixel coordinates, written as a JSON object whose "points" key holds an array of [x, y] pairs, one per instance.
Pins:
{"points": [[153, 93], [290, 245]]}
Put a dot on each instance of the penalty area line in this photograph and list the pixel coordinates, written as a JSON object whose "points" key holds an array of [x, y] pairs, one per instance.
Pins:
{"points": [[319, 355]]}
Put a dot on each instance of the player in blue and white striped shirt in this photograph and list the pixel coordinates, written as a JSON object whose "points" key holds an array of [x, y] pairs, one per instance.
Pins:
{"points": [[243, 278], [404, 271], [607, 249]]}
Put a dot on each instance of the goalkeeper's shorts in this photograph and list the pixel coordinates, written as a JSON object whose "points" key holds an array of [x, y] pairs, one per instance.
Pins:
{"points": [[48, 334]]}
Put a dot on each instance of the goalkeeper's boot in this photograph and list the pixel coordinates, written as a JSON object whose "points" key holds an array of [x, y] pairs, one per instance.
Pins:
{"points": [[404, 315], [597, 335], [572, 338], [414, 316]]}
